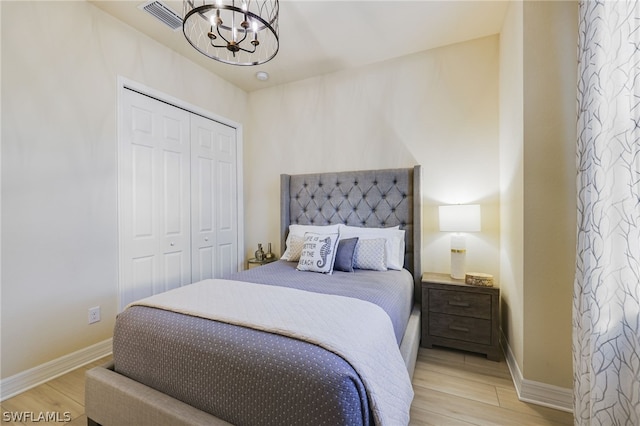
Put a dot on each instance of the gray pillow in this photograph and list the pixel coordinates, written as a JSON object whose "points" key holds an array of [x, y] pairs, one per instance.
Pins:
{"points": [[344, 255]]}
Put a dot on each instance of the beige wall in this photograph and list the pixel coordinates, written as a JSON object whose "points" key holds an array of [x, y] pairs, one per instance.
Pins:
{"points": [[537, 146], [438, 108], [511, 180], [59, 222], [550, 75]]}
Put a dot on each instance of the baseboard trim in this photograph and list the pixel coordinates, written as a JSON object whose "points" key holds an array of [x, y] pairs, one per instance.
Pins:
{"points": [[536, 392], [16, 384]]}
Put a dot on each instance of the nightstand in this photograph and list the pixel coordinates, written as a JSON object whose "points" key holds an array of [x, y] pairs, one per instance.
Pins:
{"points": [[460, 316], [253, 262]]}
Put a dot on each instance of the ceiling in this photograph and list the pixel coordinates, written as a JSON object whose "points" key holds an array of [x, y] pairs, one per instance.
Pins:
{"points": [[319, 37]]}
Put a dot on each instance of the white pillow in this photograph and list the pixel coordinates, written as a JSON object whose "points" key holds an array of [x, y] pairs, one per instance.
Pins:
{"points": [[294, 248], [296, 236], [370, 254], [394, 237], [318, 252]]}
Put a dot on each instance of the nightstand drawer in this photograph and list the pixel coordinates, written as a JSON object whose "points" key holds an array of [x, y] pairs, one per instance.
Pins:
{"points": [[474, 305], [460, 328]]}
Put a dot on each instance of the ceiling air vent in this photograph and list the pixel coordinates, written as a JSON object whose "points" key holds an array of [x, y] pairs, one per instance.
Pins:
{"points": [[163, 14]]}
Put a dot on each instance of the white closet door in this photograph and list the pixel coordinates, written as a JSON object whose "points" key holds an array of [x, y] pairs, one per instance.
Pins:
{"points": [[154, 173], [214, 201]]}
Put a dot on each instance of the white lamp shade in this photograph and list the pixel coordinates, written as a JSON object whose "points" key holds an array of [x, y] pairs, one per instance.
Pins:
{"points": [[460, 218]]}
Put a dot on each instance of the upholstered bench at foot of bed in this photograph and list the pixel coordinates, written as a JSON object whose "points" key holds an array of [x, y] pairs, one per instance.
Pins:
{"points": [[113, 399]]}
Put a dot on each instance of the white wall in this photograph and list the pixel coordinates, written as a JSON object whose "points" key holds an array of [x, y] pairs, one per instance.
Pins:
{"points": [[60, 63], [438, 108]]}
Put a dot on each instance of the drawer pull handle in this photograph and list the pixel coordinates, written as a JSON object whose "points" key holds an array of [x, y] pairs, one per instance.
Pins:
{"points": [[461, 304], [457, 328]]}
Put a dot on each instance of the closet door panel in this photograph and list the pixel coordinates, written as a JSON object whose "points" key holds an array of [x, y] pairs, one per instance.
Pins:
{"points": [[227, 259], [153, 197], [174, 271], [204, 263], [227, 201], [203, 232], [203, 236], [211, 199], [174, 191], [142, 277], [142, 199]]}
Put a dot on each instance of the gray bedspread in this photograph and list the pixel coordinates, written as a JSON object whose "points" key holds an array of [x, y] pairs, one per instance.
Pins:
{"points": [[252, 377], [391, 290]]}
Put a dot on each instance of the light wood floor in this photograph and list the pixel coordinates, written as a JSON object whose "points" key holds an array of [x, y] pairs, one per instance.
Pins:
{"points": [[451, 388]]}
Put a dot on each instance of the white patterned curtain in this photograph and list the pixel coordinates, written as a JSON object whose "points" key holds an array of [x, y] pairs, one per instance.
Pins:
{"points": [[606, 305]]}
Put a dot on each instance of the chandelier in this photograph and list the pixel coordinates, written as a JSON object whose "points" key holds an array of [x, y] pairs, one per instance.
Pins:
{"points": [[236, 32]]}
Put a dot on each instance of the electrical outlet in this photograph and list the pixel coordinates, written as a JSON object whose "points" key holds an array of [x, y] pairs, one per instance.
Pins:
{"points": [[94, 314]]}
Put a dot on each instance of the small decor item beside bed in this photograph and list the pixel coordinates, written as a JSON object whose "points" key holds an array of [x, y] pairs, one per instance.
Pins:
{"points": [[259, 253], [269, 254], [478, 278], [318, 252]]}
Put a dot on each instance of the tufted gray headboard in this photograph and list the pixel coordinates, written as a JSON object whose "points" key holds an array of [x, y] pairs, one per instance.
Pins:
{"points": [[368, 198]]}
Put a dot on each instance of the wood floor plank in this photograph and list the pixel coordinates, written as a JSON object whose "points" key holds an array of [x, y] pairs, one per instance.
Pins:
{"points": [[43, 400], [71, 385], [457, 386], [79, 421], [509, 400], [421, 417], [473, 412], [495, 375]]}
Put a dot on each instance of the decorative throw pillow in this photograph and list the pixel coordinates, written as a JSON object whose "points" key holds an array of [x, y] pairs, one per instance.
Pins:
{"points": [[394, 245], [294, 248], [344, 255], [295, 238], [370, 254], [318, 252]]}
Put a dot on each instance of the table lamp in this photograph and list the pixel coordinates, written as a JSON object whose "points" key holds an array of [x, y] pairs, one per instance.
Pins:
{"points": [[459, 218]]}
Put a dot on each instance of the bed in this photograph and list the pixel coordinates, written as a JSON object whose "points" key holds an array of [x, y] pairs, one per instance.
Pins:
{"points": [[168, 369]]}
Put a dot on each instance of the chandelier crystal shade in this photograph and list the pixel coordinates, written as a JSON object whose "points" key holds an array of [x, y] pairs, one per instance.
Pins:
{"points": [[236, 32]]}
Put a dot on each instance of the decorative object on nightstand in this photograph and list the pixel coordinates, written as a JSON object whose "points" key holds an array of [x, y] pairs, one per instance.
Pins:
{"points": [[269, 254], [259, 253], [460, 316], [478, 278], [459, 218]]}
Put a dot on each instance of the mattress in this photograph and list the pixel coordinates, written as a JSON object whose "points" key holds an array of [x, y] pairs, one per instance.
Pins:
{"points": [[248, 376]]}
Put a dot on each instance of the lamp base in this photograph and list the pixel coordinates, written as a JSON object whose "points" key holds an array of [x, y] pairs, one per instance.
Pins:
{"points": [[457, 263]]}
